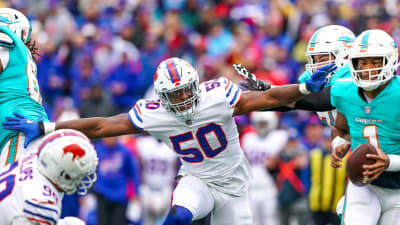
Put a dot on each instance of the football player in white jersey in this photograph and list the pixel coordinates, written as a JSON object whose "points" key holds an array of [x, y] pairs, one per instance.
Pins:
{"points": [[196, 121], [31, 189], [159, 166], [258, 146]]}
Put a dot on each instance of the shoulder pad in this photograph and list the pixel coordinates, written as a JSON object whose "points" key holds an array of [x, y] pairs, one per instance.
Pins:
{"points": [[6, 41]]}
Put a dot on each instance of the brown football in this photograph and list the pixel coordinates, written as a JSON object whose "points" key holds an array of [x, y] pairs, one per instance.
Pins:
{"points": [[356, 160]]}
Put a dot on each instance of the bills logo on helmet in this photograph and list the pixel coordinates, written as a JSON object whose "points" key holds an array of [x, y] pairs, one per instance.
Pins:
{"points": [[75, 150]]}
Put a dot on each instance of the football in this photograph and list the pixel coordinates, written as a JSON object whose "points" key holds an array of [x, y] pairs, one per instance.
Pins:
{"points": [[355, 162]]}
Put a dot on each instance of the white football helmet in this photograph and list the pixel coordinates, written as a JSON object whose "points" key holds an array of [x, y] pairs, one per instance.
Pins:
{"points": [[332, 40], [176, 82], [17, 22], [374, 43], [68, 159], [264, 122]]}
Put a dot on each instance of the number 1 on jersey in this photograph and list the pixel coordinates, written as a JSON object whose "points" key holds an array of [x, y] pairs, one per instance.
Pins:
{"points": [[371, 132]]}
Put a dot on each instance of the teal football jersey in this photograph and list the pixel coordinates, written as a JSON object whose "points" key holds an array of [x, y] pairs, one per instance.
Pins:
{"points": [[328, 118], [377, 122], [19, 90]]}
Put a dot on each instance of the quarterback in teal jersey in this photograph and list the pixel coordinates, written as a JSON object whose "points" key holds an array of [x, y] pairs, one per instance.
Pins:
{"points": [[369, 112], [19, 90]]}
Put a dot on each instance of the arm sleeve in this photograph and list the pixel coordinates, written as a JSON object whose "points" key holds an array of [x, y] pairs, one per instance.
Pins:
{"points": [[317, 102], [21, 220], [41, 212]]}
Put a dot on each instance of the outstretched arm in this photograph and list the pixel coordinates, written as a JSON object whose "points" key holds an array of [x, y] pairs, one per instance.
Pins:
{"points": [[97, 127], [283, 95], [257, 100], [94, 127], [318, 102]]}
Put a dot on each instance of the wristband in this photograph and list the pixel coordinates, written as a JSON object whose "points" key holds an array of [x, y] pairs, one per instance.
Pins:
{"points": [[337, 141], [303, 89], [394, 163], [49, 127]]}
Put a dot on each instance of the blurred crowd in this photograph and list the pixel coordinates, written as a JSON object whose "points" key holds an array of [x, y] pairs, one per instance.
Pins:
{"points": [[98, 57]]}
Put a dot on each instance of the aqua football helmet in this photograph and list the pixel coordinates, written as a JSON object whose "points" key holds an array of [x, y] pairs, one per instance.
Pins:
{"points": [[68, 159], [374, 43], [17, 22], [176, 82], [332, 40]]}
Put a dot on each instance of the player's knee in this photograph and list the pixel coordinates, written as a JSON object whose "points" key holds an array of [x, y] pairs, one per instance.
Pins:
{"points": [[178, 215]]}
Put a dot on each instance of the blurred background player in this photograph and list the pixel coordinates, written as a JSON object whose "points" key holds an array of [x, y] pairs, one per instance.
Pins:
{"points": [[159, 167], [366, 112], [65, 162], [287, 168], [196, 121], [19, 85], [267, 141], [117, 183]]}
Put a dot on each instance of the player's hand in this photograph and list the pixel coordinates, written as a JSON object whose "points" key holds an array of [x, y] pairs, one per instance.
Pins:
{"points": [[22, 124], [251, 82], [338, 153], [381, 164], [318, 79]]}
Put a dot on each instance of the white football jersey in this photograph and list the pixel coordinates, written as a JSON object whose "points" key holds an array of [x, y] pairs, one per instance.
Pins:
{"points": [[25, 192], [258, 149], [208, 147], [159, 163]]}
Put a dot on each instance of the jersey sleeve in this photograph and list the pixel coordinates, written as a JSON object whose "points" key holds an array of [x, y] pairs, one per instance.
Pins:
{"points": [[41, 212], [4, 56], [6, 40], [22, 220], [135, 114], [233, 93]]}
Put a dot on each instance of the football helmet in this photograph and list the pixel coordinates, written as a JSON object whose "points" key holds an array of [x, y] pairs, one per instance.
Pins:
{"points": [[264, 122], [68, 159], [17, 22], [176, 82], [374, 43], [332, 40]]}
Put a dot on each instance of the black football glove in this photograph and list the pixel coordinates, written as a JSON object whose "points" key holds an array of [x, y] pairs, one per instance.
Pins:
{"points": [[252, 83]]}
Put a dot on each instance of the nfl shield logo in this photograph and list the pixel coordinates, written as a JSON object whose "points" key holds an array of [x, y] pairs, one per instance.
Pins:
{"points": [[367, 109]]}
